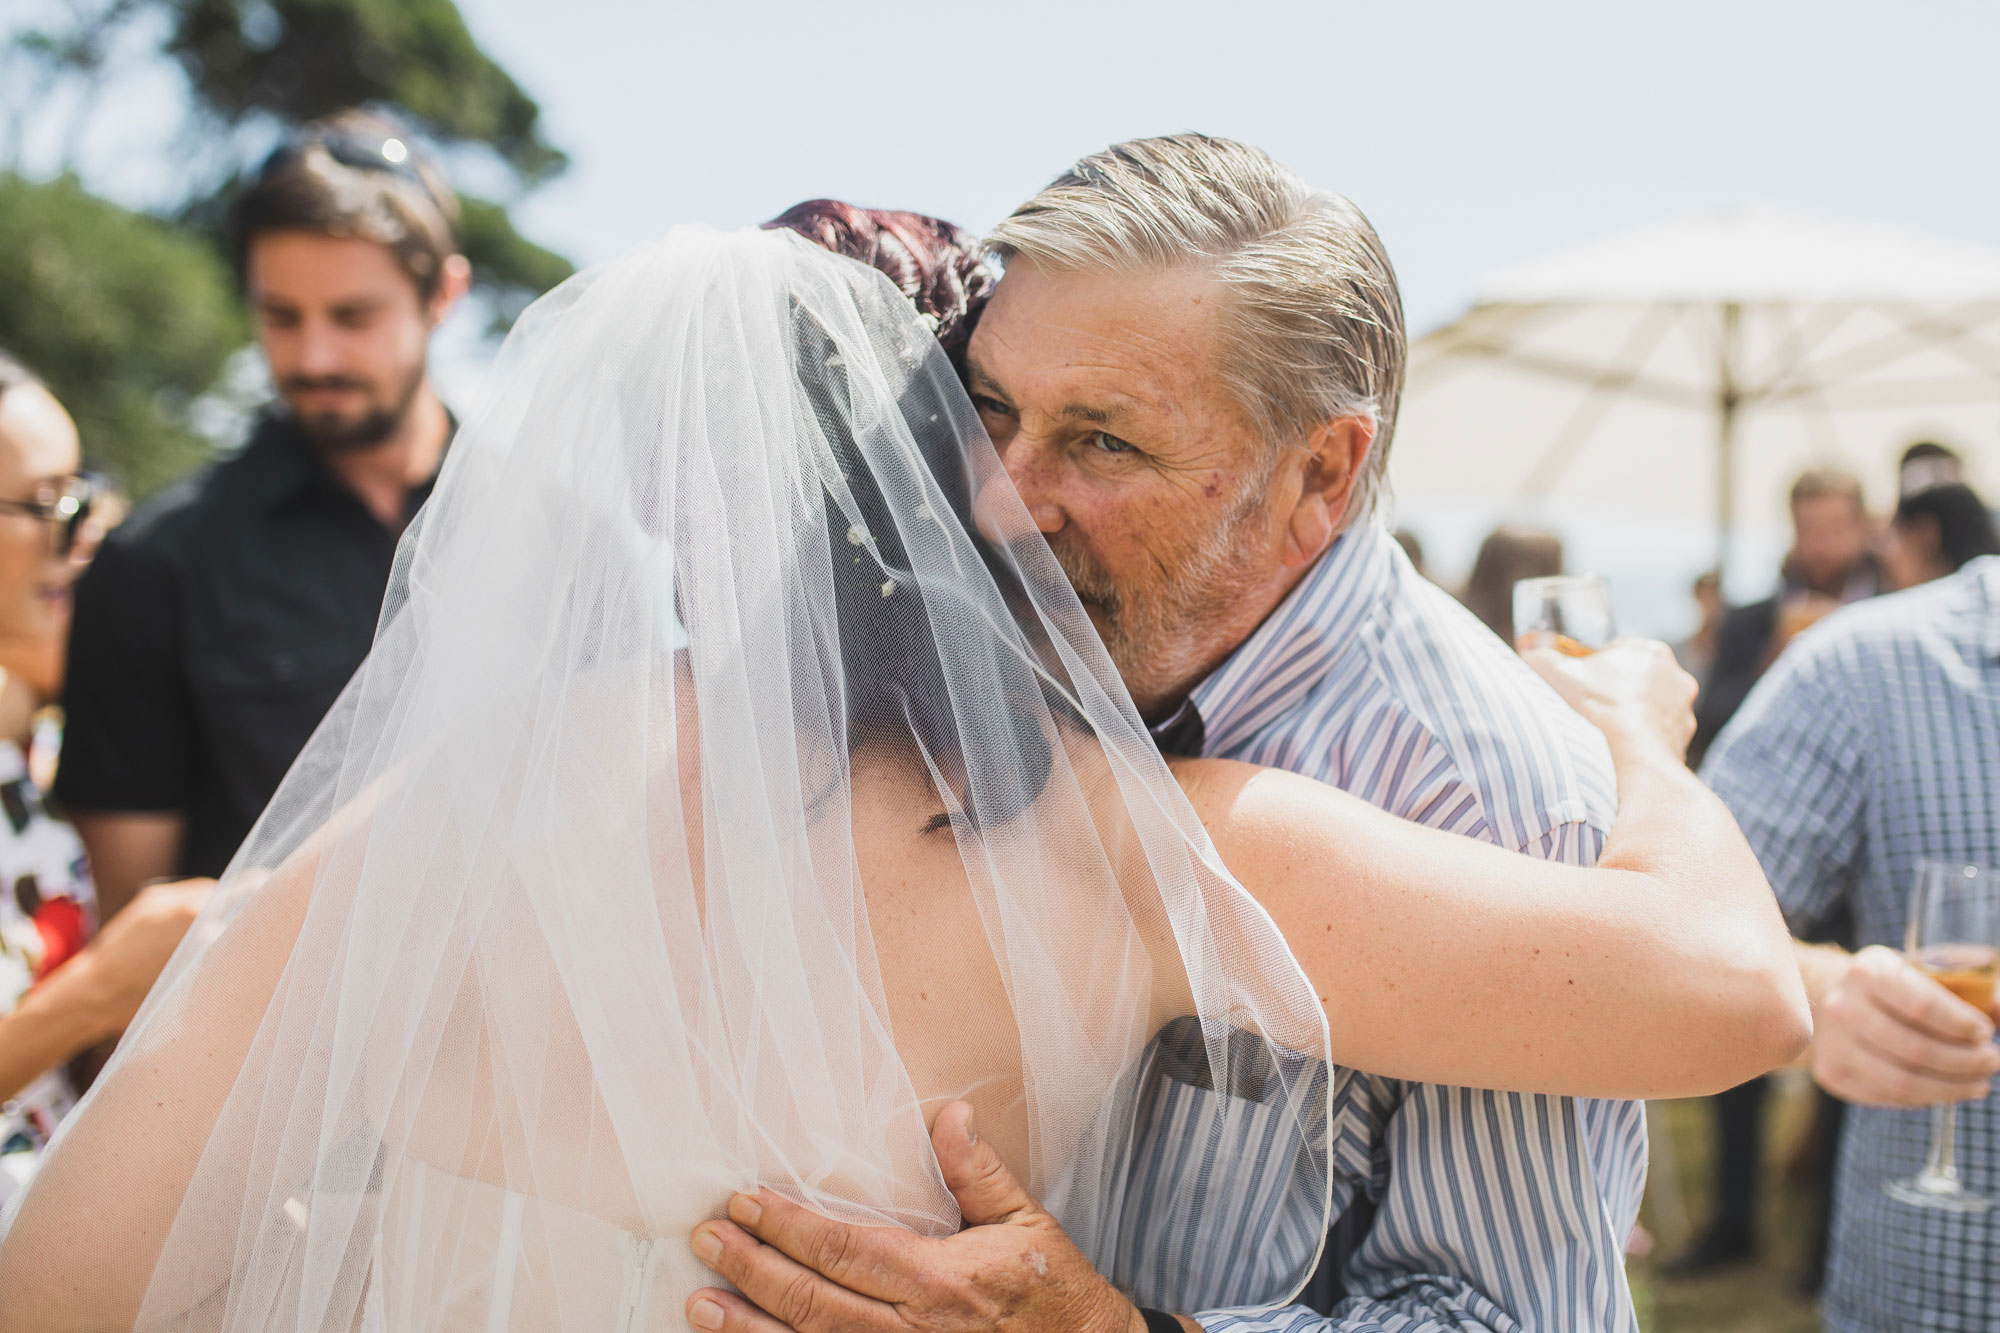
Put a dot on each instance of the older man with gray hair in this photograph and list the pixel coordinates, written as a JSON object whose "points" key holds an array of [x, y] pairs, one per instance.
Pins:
{"points": [[1191, 371]]}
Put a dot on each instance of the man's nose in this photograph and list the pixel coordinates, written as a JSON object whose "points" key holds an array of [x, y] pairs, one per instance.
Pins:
{"points": [[319, 349], [1035, 470]]}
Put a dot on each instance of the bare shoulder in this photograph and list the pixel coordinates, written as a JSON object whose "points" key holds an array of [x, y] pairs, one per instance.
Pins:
{"points": [[1245, 805], [1213, 785]]}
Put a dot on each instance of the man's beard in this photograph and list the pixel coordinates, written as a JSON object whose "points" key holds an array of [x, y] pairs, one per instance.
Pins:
{"points": [[1155, 638], [341, 435]]}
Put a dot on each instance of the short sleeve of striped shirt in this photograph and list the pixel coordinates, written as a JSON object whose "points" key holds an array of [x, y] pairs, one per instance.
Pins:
{"points": [[1790, 768]]}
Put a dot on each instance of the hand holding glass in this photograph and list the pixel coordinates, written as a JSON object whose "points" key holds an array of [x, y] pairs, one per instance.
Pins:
{"points": [[1954, 936], [1570, 613]]}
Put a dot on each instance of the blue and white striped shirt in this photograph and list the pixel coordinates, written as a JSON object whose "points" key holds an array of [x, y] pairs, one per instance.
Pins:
{"points": [[1872, 744], [1496, 1211]]}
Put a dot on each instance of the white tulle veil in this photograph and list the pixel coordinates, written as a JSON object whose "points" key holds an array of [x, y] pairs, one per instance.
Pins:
{"points": [[704, 734]]}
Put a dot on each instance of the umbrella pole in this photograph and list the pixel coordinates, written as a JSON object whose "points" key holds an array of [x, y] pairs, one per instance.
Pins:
{"points": [[1728, 399]]}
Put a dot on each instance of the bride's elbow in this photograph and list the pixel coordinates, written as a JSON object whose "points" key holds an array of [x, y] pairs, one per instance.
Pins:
{"points": [[1791, 1016], [1758, 1018]]}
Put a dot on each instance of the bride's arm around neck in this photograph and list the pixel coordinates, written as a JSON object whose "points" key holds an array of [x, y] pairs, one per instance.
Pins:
{"points": [[1666, 971]]}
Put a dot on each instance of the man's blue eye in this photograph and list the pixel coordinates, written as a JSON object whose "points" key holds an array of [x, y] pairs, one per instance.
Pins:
{"points": [[1111, 444], [993, 405]]}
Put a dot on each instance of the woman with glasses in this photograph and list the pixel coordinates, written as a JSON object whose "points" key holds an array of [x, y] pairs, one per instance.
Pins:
{"points": [[59, 994]]}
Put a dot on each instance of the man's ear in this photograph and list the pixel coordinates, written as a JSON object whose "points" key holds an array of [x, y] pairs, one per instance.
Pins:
{"points": [[1332, 459], [454, 280]]}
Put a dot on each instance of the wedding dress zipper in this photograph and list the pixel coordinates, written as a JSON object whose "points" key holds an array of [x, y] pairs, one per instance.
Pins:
{"points": [[642, 1258]]}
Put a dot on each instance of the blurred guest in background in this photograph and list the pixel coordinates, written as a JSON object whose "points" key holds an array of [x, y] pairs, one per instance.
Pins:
{"points": [[1696, 653], [1829, 564], [1873, 745], [220, 623], [58, 994], [1935, 531], [1509, 554], [1927, 463]]}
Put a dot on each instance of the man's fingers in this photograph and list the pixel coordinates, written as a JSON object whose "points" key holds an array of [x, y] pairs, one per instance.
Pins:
{"points": [[1899, 987], [1866, 1054], [789, 1292], [1922, 1081], [881, 1262], [1889, 1035], [1924, 1004], [1855, 1074], [715, 1311], [986, 1190]]}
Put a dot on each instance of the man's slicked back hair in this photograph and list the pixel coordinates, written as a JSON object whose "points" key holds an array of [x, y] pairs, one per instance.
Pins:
{"points": [[1312, 325]]}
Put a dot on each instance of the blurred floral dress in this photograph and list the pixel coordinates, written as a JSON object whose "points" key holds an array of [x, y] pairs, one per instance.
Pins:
{"points": [[47, 911]]}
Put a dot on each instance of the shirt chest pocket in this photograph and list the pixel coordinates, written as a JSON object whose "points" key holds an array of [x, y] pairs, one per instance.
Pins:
{"points": [[268, 673], [258, 706]]}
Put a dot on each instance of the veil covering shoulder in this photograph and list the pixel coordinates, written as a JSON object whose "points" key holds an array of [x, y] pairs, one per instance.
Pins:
{"points": [[720, 799]]}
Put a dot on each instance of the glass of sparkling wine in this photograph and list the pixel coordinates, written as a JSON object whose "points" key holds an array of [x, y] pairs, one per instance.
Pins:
{"points": [[1954, 936], [1570, 613]]}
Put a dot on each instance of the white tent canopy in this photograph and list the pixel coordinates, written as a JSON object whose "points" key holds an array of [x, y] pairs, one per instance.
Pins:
{"points": [[1689, 371]]}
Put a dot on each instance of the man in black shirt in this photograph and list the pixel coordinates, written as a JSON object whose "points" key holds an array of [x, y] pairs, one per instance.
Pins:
{"points": [[219, 624], [1831, 563]]}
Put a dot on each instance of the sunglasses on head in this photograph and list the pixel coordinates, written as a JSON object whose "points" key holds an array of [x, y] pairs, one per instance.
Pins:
{"points": [[362, 150]]}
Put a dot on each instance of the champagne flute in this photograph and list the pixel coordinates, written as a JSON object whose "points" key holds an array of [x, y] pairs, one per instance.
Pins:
{"points": [[1954, 936], [1570, 613]]}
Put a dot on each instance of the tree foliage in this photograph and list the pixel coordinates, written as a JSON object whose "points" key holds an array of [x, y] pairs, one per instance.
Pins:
{"points": [[128, 317], [298, 59]]}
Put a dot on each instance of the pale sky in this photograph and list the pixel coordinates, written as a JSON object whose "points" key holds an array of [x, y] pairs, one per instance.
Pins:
{"points": [[1475, 135]]}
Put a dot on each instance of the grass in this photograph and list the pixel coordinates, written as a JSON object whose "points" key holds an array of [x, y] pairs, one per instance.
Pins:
{"points": [[1758, 1298]]}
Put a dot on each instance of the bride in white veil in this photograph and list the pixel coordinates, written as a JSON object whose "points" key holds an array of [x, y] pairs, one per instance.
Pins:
{"points": [[718, 802], [713, 808]]}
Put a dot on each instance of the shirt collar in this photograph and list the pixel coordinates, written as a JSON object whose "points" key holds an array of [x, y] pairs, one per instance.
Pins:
{"points": [[1291, 652]]}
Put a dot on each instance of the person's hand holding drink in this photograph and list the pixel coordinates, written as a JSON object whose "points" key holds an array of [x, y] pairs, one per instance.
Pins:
{"points": [[1569, 613], [1632, 690], [1954, 938]]}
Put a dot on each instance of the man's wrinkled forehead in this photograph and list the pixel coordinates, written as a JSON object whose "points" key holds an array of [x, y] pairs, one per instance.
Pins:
{"points": [[1108, 344], [1157, 309], [1074, 393]]}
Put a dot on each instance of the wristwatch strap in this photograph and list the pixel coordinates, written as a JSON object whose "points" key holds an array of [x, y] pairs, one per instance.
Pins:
{"points": [[1159, 1323]]}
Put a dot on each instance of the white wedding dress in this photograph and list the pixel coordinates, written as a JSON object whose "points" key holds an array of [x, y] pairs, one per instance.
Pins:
{"points": [[721, 797]]}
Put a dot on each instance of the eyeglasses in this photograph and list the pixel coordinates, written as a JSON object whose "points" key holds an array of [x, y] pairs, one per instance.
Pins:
{"points": [[361, 150], [64, 502]]}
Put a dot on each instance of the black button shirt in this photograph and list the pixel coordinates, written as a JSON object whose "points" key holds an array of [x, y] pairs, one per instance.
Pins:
{"points": [[213, 631]]}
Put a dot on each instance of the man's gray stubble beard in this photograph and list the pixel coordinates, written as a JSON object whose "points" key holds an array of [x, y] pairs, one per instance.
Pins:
{"points": [[1148, 638]]}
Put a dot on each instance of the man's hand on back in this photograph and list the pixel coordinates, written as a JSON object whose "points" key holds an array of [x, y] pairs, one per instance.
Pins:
{"points": [[1012, 1267], [1887, 1035]]}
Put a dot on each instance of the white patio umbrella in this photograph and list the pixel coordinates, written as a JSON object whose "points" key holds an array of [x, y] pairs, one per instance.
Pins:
{"points": [[1688, 371]]}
